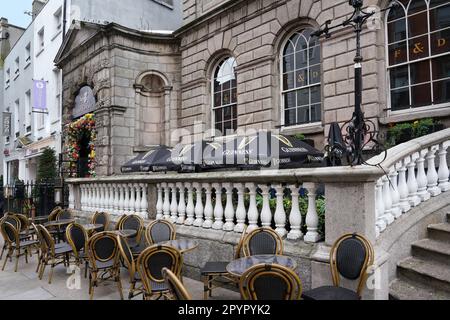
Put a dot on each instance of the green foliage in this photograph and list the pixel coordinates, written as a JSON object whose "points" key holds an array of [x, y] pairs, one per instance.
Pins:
{"points": [[300, 136], [47, 165], [405, 131]]}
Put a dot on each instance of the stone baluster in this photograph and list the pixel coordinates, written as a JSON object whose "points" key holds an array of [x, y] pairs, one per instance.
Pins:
{"points": [[92, 197], [126, 200], [443, 172], [138, 200], [422, 182], [106, 198], [388, 216], [218, 208], [380, 223], [266, 213], [190, 209], [253, 214], [312, 218], [121, 199], [414, 199], [87, 199], [280, 213], [102, 197], [295, 217], [181, 204], [395, 195], [83, 197], [403, 187], [71, 197], [209, 210], [432, 175], [96, 197], [229, 209], [116, 200], [111, 198], [131, 199], [173, 203], [144, 201], [166, 204], [198, 222], [241, 213], [159, 202]]}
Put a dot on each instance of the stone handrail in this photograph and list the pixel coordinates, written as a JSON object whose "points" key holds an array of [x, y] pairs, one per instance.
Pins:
{"points": [[360, 199]]}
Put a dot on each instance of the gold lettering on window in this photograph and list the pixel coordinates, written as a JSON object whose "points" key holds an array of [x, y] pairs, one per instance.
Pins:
{"points": [[442, 42], [301, 78], [397, 53], [418, 48]]}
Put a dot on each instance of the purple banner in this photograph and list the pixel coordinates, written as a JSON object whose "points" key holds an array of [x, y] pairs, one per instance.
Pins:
{"points": [[39, 95]]}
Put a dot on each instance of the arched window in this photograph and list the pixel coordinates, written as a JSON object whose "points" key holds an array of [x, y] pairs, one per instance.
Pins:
{"points": [[301, 79], [224, 89], [418, 46]]}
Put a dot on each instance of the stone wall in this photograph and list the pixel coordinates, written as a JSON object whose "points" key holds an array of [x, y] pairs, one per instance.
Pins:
{"points": [[112, 62], [254, 32]]}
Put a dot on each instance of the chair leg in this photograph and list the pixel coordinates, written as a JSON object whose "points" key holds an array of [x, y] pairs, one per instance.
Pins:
{"points": [[85, 269], [3, 250], [205, 287], [119, 284], [93, 283], [6, 259], [17, 260], [51, 274], [132, 289], [26, 255]]}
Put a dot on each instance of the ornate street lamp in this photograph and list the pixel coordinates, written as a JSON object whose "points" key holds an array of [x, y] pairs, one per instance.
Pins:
{"points": [[360, 133]]}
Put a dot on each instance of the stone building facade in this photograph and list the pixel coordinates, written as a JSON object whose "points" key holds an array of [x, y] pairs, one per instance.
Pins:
{"points": [[240, 65], [135, 78]]}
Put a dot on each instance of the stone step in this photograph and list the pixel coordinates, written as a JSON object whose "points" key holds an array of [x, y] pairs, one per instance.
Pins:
{"points": [[405, 290], [423, 272], [439, 231], [428, 249]]}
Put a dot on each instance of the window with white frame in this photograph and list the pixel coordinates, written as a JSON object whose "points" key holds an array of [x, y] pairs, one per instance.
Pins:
{"points": [[301, 79], [17, 66], [224, 93], [28, 111], [418, 47], [8, 77], [41, 39], [17, 118], [28, 54], [56, 113], [58, 19]]}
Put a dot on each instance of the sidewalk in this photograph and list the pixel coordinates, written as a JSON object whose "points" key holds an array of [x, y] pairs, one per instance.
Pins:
{"points": [[25, 285]]}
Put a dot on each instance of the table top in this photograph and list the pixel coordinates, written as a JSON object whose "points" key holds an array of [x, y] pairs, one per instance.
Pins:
{"points": [[127, 233], [57, 223], [239, 266], [39, 218], [183, 245], [91, 227]]}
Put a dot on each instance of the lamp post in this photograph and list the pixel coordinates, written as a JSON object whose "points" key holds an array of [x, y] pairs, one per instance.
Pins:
{"points": [[359, 131]]}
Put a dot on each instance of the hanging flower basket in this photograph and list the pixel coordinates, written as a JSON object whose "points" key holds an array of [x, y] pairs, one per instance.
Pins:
{"points": [[84, 127]]}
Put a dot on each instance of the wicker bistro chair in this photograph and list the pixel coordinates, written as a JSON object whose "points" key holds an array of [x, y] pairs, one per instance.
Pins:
{"points": [[213, 270], [101, 218], [133, 222], [177, 289], [350, 257], [150, 264], [12, 219], [130, 263], [15, 245], [54, 214], [77, 237], [262, 241], [52, 254], [270, 282], [159, 231], [103, 253]]}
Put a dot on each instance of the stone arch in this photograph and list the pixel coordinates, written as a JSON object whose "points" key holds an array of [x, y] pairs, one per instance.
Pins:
{"points": [[154, 111]]}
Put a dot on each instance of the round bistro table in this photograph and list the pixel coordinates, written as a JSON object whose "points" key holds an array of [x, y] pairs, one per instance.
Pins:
{"points": [[239, 266], [127, 233]]}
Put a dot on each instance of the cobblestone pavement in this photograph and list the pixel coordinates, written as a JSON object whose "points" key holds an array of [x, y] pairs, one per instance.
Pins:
{"points": [[25, 285]]}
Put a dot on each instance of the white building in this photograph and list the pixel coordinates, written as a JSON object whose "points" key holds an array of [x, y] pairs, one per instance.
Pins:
{"points": [[32, 59]]}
